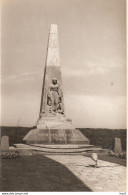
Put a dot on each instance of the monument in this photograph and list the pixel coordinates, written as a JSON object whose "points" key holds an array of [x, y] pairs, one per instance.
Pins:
{"points": [[52, 126], [117, 145], [4, 144]]}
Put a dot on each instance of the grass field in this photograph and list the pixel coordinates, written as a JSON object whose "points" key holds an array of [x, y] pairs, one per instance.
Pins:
{"points": [[37, 173], [111, 159]]}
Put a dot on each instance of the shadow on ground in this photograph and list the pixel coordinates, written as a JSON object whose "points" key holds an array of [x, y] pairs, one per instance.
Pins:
{"points": [[101, 166], [38, 173]]}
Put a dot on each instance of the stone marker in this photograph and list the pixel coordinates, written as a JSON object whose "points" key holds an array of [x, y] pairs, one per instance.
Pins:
{"points": [[52, 126], [117, 145], [4, 144]]}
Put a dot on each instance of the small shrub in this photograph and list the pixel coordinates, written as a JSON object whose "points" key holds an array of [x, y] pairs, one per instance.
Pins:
{"points": [[10, 155], [117, 155]]}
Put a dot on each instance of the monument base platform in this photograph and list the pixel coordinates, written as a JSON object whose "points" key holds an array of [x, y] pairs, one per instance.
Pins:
{"points": [[55, 136], [74, 149]]}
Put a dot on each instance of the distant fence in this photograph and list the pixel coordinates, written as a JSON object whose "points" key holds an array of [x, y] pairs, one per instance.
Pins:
{"points": [[98, 137]]}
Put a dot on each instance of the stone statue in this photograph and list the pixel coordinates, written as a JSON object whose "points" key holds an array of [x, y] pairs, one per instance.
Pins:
{"points": [[54, 98]]}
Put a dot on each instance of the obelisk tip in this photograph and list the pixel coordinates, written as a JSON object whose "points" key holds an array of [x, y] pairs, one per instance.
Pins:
{"points": [[53, 28]]}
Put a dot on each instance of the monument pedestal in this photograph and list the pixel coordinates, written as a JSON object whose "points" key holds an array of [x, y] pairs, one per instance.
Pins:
{"points": [[55, 129]]}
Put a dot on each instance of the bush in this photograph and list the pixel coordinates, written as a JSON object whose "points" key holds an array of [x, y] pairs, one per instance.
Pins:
{"points": [[10, 155], [118, 155]]}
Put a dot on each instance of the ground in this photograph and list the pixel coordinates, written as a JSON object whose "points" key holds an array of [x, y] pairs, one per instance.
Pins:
{"points": [[38, 173], [108, 177], [62, 173]]}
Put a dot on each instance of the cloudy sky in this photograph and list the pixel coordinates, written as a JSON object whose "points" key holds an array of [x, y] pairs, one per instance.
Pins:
{"points": [[93, 60]]}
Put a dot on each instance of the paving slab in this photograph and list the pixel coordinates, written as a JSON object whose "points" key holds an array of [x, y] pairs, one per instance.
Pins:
{"points": [[108, 177]]}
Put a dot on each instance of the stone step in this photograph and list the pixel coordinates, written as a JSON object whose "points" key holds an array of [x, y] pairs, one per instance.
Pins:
{"points": [[64, 146], [58, 146], [54, 146], [53, 150], [12, 148]]}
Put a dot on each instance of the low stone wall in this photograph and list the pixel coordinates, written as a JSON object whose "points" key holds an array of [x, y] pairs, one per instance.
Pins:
{"points": [[98, 137], [105, 137]]}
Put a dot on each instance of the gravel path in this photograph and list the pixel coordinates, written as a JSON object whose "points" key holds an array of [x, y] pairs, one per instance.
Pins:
{"points": [[108, 177]]}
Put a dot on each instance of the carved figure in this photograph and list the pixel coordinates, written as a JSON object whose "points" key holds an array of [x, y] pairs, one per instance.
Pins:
{"points": [[54, 97]]}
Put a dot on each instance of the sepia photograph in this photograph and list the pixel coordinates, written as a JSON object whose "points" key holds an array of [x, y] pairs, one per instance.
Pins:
{"points": [[63, 96]]}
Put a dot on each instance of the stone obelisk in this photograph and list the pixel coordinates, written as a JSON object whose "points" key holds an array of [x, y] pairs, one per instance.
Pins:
{"points": [[52, 70], [53, 127]]}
